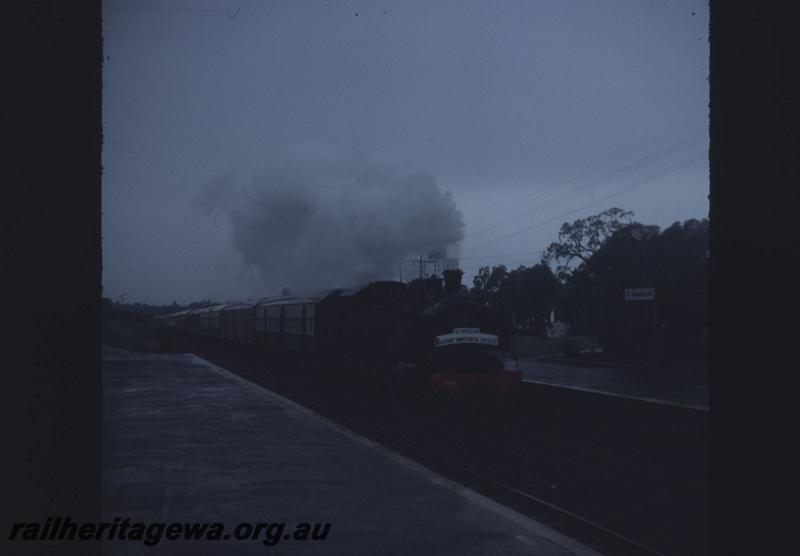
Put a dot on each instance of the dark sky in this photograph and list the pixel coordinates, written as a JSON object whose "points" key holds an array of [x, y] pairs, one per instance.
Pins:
{"points": [[529, 113]]}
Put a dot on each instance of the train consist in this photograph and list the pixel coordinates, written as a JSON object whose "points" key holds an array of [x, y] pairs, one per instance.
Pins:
{"points": [[424, 332]]}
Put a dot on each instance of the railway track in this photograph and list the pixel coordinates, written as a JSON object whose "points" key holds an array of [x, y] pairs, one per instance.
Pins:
{"points": [[572, 525], [407, 440]]}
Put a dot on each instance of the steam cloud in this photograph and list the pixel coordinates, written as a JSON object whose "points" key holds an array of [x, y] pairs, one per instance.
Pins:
{"points": [[318, 219]]}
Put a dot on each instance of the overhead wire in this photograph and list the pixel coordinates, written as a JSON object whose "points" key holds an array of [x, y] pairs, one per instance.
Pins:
{"points": [[503, 255], [636, 185], [608, 175], [692, 136]]}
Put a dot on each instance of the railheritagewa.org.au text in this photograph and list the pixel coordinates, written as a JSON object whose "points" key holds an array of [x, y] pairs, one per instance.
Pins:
{"points": [[152, 533]]}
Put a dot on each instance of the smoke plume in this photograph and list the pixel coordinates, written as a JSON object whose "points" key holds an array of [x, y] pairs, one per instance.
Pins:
{"points": [[318, 219]]}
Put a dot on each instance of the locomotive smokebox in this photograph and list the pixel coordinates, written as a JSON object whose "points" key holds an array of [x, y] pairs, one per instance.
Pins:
{"points": [[452, 280]]}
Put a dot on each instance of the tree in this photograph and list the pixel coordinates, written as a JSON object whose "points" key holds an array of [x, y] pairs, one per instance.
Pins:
{"points": [[487, 283], [584, 237], [677, 266], [578, 302], [530, 293], [489, 280], [679, 262]]}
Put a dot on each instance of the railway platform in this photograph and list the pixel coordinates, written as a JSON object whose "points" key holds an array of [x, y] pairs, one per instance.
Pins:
{"points": [[186, 441], [679, 389]]}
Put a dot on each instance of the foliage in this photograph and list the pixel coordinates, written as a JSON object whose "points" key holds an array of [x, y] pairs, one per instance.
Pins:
{"points": [[487, 283], [613, 253], [674, 261], [489, 280], [530, 293], [584, 237]]}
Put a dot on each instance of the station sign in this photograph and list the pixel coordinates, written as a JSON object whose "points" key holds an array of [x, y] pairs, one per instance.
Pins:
{"points": [[465, 336], [640, 294]]}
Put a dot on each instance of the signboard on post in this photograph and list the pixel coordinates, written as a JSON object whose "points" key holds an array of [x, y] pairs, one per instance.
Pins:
{"points": [[640, 294]]}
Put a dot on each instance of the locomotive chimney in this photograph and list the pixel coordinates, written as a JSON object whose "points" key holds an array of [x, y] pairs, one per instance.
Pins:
{"points": [[452, 280]]}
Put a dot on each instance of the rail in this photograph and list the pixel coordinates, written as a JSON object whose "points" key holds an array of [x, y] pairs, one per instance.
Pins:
{"points": [[580, 528]]}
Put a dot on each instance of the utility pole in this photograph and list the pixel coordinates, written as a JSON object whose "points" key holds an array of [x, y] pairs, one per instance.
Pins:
{"points": [[644, 260], [655, 335], [422, 261], [644, 235]]}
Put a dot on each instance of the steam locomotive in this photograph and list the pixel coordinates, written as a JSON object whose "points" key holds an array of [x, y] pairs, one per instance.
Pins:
{"points": [[425, 333]]}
